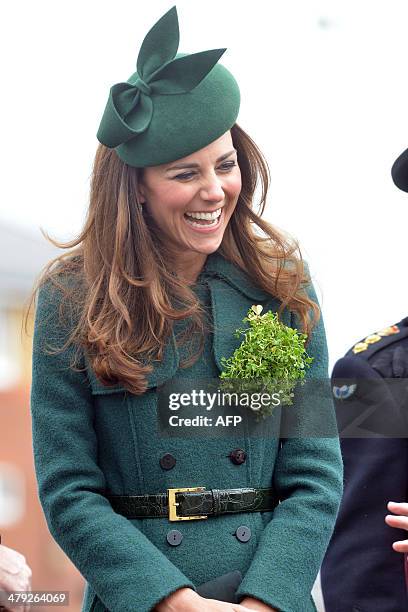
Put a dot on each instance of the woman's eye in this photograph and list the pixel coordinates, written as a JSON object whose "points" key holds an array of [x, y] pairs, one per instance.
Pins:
{"points": [[225, 167], [228, 165], [185, 175]]}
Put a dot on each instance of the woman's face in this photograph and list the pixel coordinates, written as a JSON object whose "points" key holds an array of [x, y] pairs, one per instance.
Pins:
{"points": [[192, 199]]}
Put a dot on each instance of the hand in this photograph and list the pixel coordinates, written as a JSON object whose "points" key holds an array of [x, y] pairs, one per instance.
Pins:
{"points": [[15, 575], [256, 604], [187, 600], [401, 522]]}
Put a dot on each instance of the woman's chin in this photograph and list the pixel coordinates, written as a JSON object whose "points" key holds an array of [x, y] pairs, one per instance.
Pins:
{"points": [[206, 247]]}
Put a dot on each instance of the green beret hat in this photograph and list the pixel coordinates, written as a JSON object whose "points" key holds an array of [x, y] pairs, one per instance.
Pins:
{"points": [[173, 105]]}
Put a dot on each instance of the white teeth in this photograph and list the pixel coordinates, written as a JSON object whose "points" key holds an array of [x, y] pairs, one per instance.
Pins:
{"points": [[205, 215], [195, 224]]}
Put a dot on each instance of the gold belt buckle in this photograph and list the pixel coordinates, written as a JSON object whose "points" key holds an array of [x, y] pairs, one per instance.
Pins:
{"points": [[173, 516]]}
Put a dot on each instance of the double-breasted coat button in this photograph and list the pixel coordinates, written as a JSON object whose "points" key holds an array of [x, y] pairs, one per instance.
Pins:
{"points": [[167, 462], [243, 533], [174, 537], [237, 456]]}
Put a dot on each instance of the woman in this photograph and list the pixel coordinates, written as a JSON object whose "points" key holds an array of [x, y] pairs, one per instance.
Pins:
{"points": [[166, 268]]}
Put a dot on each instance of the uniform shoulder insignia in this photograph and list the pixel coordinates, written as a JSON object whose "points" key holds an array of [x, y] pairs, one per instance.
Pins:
{"points": [[344, 392], [363, 345]]}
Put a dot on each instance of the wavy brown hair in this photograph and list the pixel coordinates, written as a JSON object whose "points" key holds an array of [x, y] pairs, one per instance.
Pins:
{"points": [[127, 296]]}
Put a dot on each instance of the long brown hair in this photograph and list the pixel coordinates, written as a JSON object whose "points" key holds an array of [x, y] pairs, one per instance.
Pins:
{"points": [[128, 297]]}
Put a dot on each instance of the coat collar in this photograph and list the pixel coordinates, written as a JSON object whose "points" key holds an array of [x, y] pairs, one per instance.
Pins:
{"points": [[232, 295], [217, 266]]}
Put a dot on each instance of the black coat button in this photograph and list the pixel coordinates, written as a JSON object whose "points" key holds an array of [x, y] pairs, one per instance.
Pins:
{"points": [[167, 462], [174, 537], [237, 456], [243, 533]]}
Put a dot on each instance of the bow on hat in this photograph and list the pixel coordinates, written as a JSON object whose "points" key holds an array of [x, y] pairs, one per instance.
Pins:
{"points": [[129, 109]]}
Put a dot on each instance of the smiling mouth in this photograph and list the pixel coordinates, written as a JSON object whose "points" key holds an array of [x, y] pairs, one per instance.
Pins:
{"points": [[203, 219]]}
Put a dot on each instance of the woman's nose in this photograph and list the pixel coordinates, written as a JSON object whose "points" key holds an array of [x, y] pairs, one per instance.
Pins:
{"points": [[212, 191]]}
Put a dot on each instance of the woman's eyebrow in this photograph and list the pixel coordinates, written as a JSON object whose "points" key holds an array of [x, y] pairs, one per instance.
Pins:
{"points": [[193, 165]]}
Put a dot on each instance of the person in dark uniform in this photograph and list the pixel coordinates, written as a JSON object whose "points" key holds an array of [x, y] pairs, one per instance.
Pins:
{"points": [[362, 569], [399, 518]]}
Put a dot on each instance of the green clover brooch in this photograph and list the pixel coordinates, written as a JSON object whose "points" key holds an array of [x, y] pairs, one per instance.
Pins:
{"points": [[271, 359]]}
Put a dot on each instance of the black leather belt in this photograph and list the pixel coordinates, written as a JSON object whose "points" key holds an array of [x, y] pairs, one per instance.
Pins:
{"points": [[193, 503]]}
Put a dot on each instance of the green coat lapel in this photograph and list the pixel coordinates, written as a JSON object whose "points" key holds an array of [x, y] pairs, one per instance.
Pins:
{"points": [[232, 295]]}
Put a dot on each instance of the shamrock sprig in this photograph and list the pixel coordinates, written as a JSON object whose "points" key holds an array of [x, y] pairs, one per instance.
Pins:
{"points": [[271, 358]]}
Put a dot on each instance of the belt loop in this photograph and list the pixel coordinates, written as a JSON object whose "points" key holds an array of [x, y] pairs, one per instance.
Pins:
{"points": [[216, 501]]}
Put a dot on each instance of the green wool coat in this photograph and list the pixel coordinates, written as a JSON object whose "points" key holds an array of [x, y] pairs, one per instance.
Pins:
{"points": [[89, 440]]}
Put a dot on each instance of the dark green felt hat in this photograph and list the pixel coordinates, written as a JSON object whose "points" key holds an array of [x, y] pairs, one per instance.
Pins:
{"points": [[173, 105]]}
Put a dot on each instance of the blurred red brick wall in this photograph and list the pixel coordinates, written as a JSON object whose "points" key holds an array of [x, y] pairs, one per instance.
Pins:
{"points": [[52, 570]]}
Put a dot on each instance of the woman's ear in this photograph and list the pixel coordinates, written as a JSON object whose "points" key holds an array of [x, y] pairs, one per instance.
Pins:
{"points": [[140, 191], [140, 195]]}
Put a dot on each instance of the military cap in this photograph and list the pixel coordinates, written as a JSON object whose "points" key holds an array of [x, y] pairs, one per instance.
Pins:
{"points": [[399, 171]]}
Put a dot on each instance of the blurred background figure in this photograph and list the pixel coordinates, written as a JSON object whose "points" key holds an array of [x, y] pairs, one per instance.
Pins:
{"points": [[15, 574], [22, 525]]}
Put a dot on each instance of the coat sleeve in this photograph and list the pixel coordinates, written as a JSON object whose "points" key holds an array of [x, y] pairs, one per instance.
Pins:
{"points": [[121, 565], [308, 478]]}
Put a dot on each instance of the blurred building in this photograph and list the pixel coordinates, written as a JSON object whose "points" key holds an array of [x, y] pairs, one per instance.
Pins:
{"points": [[22, 523]]}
